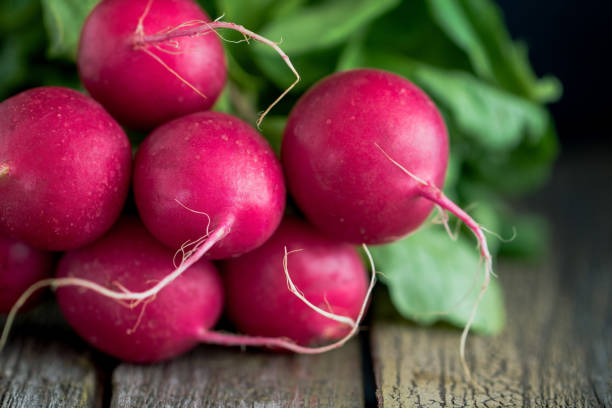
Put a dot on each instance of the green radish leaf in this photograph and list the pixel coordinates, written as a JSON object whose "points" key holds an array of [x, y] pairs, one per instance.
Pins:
{"points": [[494, 119], [409, 30], [325, 25], [427, 273], [520, 170], [248, 13], [308, 36], [284, 8], [311, 67], [223, 103], [352, 54], [63, 20], [453, 169], [477, 27], [17, 14]]}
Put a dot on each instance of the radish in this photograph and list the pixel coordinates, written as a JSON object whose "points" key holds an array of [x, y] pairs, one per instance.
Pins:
{"points": [[206, 184], [156, 329], [64, 168], [20, 266], [93, 281], [326, 276], [151, 61], [214, 163], [365, 153]]}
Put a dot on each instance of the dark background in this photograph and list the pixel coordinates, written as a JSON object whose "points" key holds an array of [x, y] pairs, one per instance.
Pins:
{"points": [[571, 40]]}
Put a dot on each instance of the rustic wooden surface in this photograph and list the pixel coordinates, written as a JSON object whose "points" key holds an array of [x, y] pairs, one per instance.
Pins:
{"points": [[556, 350], [45, 365], [217, 377]]}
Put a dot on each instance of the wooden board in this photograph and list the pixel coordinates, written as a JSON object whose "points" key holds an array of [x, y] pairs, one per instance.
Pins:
{"points": [[45, 365], [557, 347], [221, 377]]}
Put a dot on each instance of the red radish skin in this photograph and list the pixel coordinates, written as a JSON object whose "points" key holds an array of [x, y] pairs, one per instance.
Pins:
{"points": [[365, 153], [157, 329], [344, 185], [132, 85], [20, 266], [65, 168], [328, 273], [151, 61], [213, 163]]}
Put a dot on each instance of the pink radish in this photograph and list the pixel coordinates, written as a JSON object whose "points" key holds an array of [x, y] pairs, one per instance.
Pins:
{"points": [[20, 266], [205, 184], [157, 329], [64, 168], [92, 283], [365, 154], [149, 61], [213, 163], [326, 275]]}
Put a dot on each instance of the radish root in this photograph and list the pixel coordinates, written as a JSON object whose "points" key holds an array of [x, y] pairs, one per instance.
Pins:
{"points": [[433, 193], [229, 339], [195, 28], [293, 289]]}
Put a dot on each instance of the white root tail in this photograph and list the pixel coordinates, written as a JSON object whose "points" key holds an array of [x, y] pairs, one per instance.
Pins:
{"points": [[228, 339], [195, 28], [293, 289], [432, 193]]}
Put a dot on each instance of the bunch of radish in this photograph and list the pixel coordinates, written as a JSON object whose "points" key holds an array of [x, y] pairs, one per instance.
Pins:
{"points": [[364, 156]]}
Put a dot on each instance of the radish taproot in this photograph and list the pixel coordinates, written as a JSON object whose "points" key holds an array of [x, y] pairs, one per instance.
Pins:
{"points": [[20, 266], [327, 281], [65, 168], [151, 61], [365, 154]]}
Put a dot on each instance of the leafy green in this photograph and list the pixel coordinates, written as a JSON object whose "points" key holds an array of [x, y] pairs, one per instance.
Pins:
{"points": [[247, 13], [352, 54], [311, 30], [496, 119], [499, 120], [428, 273], [410, 31], [15, 14], [520, 170], [322, 26], [476, 26], [63, 20]]}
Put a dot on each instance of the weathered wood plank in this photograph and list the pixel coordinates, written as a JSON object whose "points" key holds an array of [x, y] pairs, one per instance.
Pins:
{"points": [[45, 365], [537, 361], [221, 377], [557, 348]]}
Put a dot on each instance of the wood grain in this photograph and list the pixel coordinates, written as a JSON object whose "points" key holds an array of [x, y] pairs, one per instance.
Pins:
{"points": [[556, 350], [221, 377], [45, 365]]}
